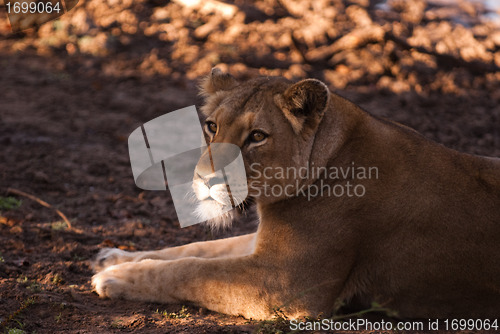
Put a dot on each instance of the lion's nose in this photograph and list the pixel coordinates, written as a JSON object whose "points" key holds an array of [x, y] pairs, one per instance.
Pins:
{"points": [[210, 181], [215, 180]]}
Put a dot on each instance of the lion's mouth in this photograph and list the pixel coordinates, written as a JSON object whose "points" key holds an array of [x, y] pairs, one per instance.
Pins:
{"points": [[211, 209], [213, 202], [217, 193]]}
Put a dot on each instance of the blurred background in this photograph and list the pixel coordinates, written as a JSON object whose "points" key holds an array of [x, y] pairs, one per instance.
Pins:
{"points": [[415, 49], [73, 89]]}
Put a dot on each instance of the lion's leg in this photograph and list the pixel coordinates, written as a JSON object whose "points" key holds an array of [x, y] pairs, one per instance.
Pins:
{"points": [[245, 286], [235, 246]]}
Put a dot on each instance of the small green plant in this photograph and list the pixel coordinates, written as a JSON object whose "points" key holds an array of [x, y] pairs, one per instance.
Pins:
{"points": [[15, 331], [34, 287], [182, 314], [58, 317], [2, 260], [22, 279], [9, 203], [57, 279], [59, 225], [78, 258], [118, 324], [278, 325], [31, 285], [11, 317], [375, 308]]}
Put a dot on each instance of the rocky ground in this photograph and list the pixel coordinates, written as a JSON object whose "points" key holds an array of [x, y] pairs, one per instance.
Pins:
{"points": [[73, 89]]}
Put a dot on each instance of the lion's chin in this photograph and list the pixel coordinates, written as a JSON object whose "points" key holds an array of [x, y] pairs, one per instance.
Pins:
{"points": [[214, 214]]}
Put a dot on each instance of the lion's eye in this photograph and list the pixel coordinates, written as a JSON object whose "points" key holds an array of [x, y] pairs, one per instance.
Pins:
{"points": [[257, 136], [211, 127]]}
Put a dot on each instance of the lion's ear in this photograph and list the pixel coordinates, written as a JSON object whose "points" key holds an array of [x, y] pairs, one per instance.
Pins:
{"points": [[304, 104], [217, 81]]}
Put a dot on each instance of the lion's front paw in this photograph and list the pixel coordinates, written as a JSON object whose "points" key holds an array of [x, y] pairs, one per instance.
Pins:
{"points": [[108, 285], [130, 280], [110, 256]]}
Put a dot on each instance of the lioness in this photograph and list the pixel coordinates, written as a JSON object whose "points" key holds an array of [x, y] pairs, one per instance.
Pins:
{"points": [[423, 238]]}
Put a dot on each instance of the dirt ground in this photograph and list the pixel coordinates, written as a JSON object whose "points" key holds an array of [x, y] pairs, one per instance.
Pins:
{"points": [[72, 90]]}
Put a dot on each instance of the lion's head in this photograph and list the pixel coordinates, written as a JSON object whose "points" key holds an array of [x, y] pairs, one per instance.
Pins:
{"points": [[272, 121]]}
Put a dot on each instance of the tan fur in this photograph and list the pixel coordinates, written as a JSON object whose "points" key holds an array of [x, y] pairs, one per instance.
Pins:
{"points": [[424, 239]]}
